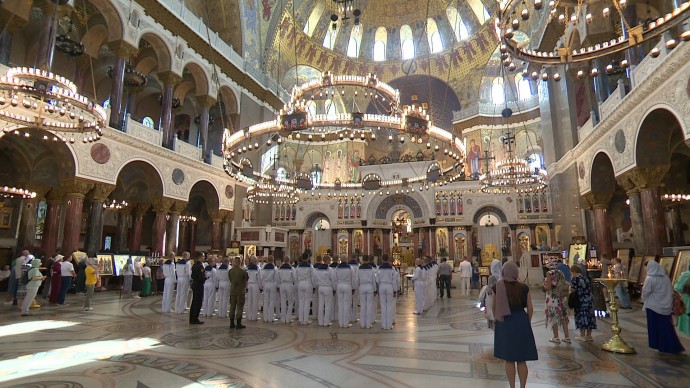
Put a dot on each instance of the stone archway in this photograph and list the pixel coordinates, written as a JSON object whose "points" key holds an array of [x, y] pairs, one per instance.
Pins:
{"points": [[384, 207]]}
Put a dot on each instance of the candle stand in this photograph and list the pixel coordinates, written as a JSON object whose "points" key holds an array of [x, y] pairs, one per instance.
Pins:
{"points": [[616, 343]]}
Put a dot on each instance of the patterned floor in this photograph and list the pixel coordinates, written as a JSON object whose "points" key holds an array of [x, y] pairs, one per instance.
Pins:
{"points": [[129, 343]]}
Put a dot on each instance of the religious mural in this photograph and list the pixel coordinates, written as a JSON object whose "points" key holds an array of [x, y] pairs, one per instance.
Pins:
{"points": [[339, 160], [460, 241], [442, 241]]}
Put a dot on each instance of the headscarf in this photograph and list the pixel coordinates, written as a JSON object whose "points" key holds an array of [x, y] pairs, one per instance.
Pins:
{"points": [[510, 274], [492, 282], [583, 268], [496, 268], [36, 263], [655, 269]]}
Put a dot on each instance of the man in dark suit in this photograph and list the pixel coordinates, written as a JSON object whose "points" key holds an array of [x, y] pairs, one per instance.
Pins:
{"points": [[198, 279]]}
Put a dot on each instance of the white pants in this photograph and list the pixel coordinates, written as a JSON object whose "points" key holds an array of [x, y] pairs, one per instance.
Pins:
{"points": [[270, 299], [465, 285], [287, 301], [344, 304], [325, 312], [223, 298], [209, 304], [168, 291], [387, 305], [304, 290], [253, 295], [419, 297], [181, 296], [366, 305], [31, 292]]}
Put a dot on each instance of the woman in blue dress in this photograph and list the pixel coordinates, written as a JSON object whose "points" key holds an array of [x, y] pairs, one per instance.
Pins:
{"points": [[513, 336], [584, 315]]}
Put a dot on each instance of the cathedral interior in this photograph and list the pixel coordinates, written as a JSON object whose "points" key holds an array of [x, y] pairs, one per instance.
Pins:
{"points": [[519, 130]]}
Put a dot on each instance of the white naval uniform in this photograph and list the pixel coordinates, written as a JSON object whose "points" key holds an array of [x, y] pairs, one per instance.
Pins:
{"points": [[366, 284], [286, 274], [184, 276], [418, 280], [355, 297], [388, 280], [169, 287], [345, 284], [208, 306], [223, 290], [253, 292], [268, 281], [305, 287], [326, 283]]}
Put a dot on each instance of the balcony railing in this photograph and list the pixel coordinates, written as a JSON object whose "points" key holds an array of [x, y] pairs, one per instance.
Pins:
{"points": [[140, 131], [494, 110], [185, 149]]}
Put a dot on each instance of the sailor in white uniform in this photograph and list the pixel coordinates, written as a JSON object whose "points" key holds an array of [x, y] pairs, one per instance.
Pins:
{"points": [[269, 284], [286, 286], [253, 288], [366, 284], [388, 279], [170, 280], [183, 270], [305, 287], [223, 288], [345, 279]]}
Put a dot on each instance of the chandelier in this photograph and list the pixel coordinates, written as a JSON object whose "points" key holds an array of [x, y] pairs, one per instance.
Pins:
{"points": [[11, 192], [114, 205], [187, 218], [343, 10], [298, 124], [32, 98], [533, 17], [133, 79]]}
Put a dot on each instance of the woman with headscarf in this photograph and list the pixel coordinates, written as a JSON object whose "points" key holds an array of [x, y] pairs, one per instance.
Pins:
{"points": [[56, 279], [146, 280], [680, 287], [513, 337], [90, 280], [81, 277], [486, 300], [496, 268], [556, 311], [584, 314], [35, 280], [657, 295]]}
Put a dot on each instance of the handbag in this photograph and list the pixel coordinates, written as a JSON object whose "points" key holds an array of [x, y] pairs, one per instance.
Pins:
{"points": [[573, 300]]}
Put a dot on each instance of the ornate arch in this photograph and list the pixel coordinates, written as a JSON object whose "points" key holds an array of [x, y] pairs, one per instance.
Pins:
{"points": [[311, 218], [395, 200], [489, 209]]}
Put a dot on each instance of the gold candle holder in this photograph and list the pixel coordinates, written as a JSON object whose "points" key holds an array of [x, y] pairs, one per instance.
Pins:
{"points": [[616, 343]]}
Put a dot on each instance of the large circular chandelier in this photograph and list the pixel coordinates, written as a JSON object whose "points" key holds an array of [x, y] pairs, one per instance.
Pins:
{"points": [[513, 175], [11, 192], [297, 123], [33, 98], [535, 16]]}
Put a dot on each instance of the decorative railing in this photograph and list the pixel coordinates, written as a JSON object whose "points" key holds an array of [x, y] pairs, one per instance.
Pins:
{"points": [[494, 110], [189, 150], [140, 131], [217, 161]]}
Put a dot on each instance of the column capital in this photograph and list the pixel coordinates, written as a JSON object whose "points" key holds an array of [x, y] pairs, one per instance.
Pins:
{"points": [[141, 208], [625, 181], [228, 215], [75, 187], [39, 188], [597, 200], [123, 49], [216, 215], [168, 78], [513, 227], [101, 191], [162, 205], [55, 196], [649, 177], [206, 101], [178, 206]]}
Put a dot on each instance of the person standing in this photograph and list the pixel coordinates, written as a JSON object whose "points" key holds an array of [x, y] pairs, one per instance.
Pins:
{"points": [[67, 275], [388, 281], [198, 280], [286, 274], [223, 288], [584, 314], [418, 284], [18, 267], [91, 278], [486, 300], [137, 278], [183, 272], [35, 280], [513, 338], [304, 274], [81, 277], [465, 276], [146, 280], [556, 311], [354, 303], [445, 273], [209, 303], [238, 285], [127, 275], [46, 283], [253, 288], [622, 287], [268, 282], [682, 286], [496, 269], [345, 283], [657, 295], [326, 283], [366, 284], [169, 282], [56, 279]]}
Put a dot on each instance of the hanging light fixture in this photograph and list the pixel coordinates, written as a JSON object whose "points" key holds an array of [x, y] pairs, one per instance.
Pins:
{"points": [[11, 192]]}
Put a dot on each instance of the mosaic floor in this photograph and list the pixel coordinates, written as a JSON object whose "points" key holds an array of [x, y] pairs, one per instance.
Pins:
{"points": [[129, 343]]}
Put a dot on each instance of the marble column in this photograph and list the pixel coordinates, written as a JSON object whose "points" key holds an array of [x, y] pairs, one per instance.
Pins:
{"points": [[55, 197], [168, 81], [633, 193], [514, 244], [206, 103], [432, 242], [26, 238], [533, 235], [48, 33], [599, 202], [451, 243], [12, 23], [387, 242], [120, 240], [161, 206], [676, 224], [648, 181], [131, 106], [192, 238], [123, 51], [350, 245], [137, 226], [184, 237], [94, 232], [470, 244], [172, 236], [75, 192], [216, 220]]}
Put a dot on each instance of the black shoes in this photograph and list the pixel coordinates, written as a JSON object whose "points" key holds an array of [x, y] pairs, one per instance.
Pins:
{"points": [[196, 323], [232, 323], [239, 324]]}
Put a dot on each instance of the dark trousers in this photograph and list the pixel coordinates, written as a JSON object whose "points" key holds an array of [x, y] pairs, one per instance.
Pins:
{"points": [[66, 283], [444, 281], [197, 299], [236, 306]]}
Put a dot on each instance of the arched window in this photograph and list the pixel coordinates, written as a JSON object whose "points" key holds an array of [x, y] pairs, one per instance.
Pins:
{"points": [[523, 87], [311, 108], [497, 92], [406, 42], [313, 20], [331, 35], [329, 107], [380, 42], [148, 122], [479, 10], [435, 44], [457, 24], [355, 40]]}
